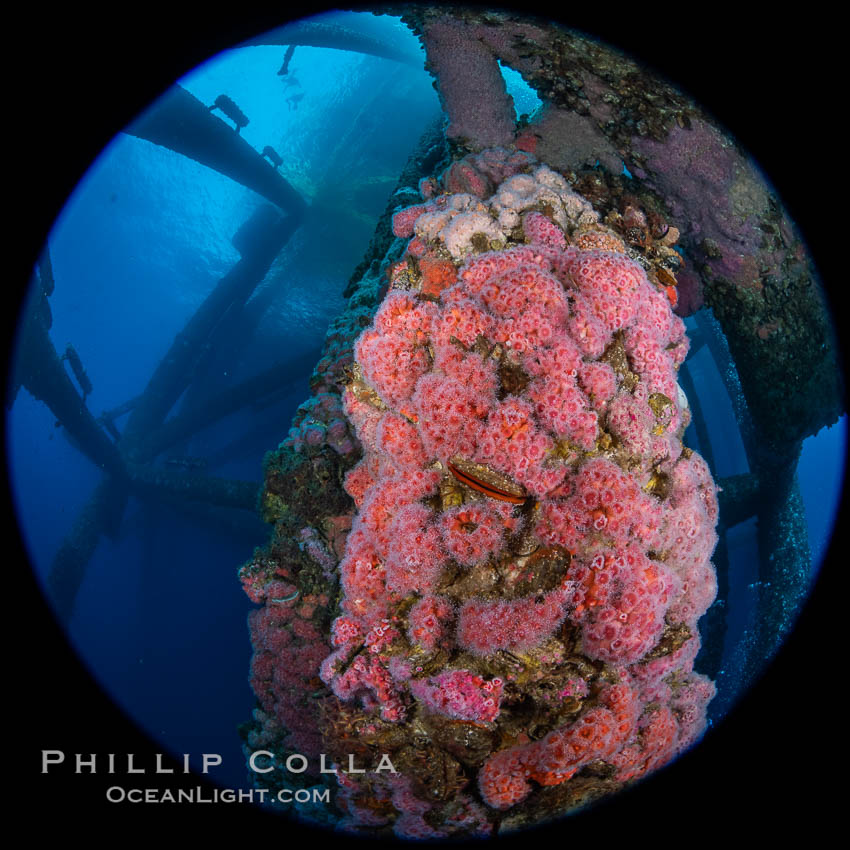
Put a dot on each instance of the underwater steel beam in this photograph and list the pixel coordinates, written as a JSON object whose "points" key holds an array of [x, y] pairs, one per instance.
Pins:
{"points": [[234, 523], [180, 122], [39, 370], [738, 499], [697, 417], [714, 625], [223, 492], [272, 380], [100, 515], [431, 150], [714, 338], [48, 382], [785, 560], [259, 240], [316, 34], [103, 511]]}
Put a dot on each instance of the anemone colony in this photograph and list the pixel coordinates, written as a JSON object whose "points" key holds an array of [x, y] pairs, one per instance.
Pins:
{"points": [[510, 611]]}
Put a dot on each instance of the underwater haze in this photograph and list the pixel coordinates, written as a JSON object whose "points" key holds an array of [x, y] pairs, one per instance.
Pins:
{"points": [[140, 244]]}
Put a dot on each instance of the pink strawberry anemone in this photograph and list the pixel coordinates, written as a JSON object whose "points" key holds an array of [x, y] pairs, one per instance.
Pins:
{"points": [[531, 551]]}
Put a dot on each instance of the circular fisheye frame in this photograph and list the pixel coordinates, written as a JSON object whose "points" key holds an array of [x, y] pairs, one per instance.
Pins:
{"points": [[480, 369]]}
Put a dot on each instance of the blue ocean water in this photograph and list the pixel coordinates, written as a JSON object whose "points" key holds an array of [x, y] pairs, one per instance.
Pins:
{"points": [[142, 241]]}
